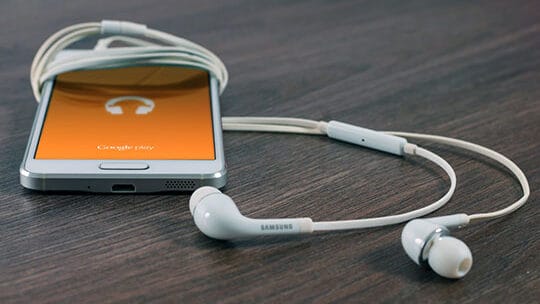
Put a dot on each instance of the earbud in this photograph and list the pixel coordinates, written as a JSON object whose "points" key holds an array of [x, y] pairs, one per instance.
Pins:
{"points": [[217, 216], [429, 241]]}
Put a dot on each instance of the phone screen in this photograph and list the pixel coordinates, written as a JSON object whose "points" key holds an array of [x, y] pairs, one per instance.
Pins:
{"points": [[132, 113]]}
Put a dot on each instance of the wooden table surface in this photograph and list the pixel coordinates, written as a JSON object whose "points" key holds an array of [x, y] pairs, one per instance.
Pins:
{"points": [[464, 69]]}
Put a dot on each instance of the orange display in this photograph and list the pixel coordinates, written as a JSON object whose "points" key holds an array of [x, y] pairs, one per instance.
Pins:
{"points": [[141, 113]]}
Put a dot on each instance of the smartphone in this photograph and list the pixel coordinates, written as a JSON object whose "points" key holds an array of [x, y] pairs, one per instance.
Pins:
{"points": [[128, 129]]}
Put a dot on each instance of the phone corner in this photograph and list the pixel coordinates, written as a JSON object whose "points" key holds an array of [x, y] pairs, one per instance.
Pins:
{"points": [[217, 179], [30, 180]]}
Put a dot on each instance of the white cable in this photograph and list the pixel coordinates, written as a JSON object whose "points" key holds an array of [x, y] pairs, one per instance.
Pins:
{"points": [[104, 43], [274, 124], [179, 51], [503, 160], [304, 126], [398, 218], [268, 124], [133, 58], [173, 50], [55, 44]]}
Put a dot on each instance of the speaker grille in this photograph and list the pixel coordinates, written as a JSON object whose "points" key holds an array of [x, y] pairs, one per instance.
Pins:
{"points": [[180, 185]]}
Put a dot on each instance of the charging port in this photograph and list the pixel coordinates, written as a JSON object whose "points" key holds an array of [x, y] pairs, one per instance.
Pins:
{"points": [[123, 188]]}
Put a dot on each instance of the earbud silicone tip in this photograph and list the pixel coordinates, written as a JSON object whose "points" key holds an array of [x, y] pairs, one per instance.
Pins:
{"points": [[199, 194], [450, 257]]}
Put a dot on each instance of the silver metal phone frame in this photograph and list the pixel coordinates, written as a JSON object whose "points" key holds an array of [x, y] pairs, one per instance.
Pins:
{"points": [[85, 175]]}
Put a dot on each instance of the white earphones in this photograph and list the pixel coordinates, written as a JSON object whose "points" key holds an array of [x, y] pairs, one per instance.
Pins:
{"points": [[426, 241]]}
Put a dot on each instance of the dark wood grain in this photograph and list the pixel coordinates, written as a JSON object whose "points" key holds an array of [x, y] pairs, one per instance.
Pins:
{"points": [[464, 69]]}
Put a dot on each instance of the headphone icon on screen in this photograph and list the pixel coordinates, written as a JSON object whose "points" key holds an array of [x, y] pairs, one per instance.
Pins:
{"points": [[114, 109]]}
